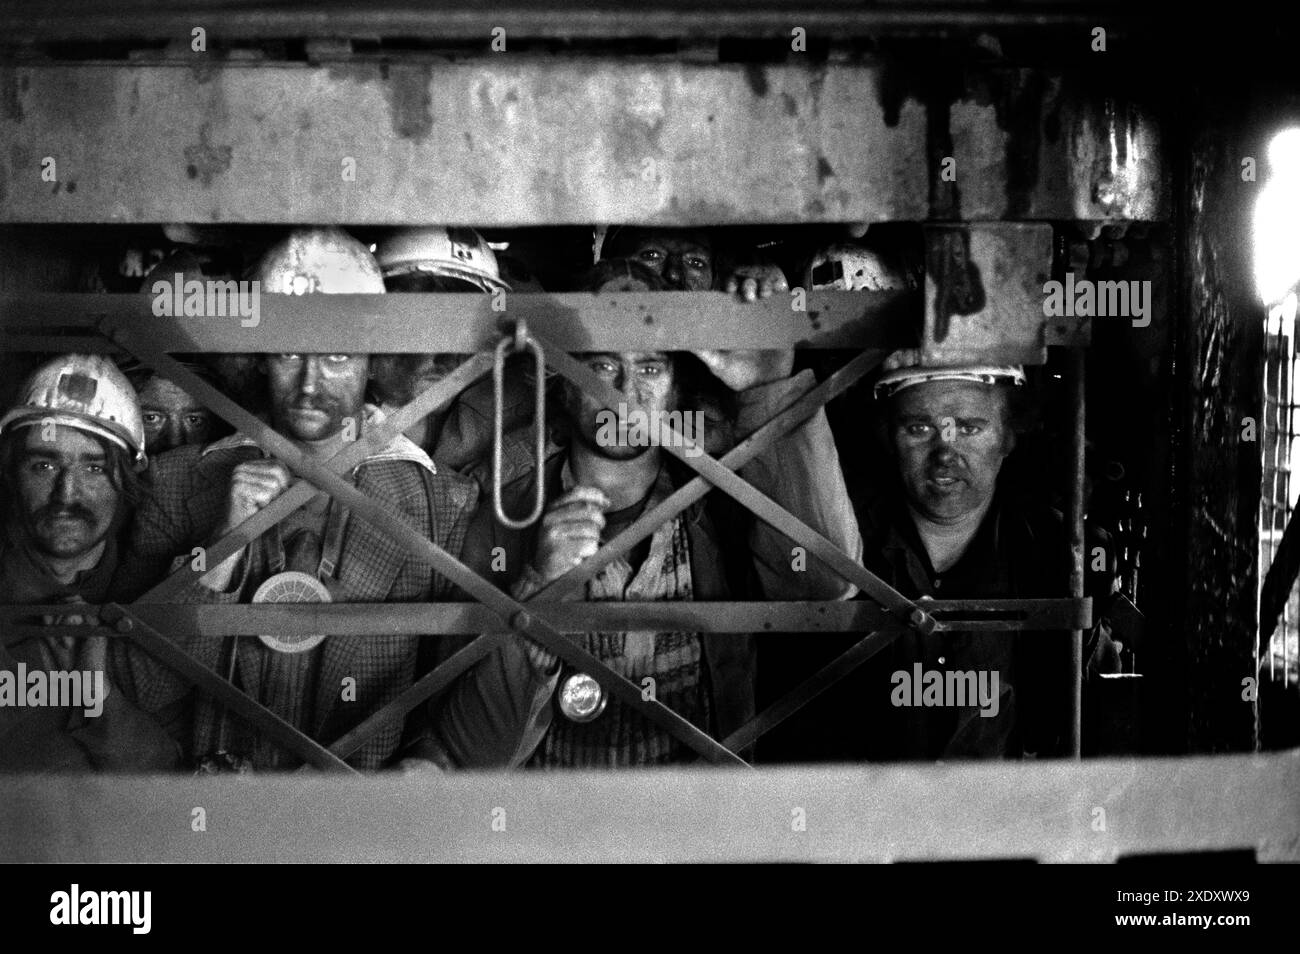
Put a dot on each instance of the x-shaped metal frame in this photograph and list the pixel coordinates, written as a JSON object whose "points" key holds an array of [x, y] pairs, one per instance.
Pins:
{"points": [[520, 616]]}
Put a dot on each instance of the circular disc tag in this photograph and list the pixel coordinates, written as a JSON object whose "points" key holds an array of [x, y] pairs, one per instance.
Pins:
{"points": [[581, 698], [292, 586]]}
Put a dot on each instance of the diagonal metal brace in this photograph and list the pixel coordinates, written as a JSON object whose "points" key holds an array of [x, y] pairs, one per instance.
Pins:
{"points": [[759, 503], [167, 652]]}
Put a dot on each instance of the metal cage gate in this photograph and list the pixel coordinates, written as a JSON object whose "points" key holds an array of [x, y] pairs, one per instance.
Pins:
{"points": [[838, 143]]}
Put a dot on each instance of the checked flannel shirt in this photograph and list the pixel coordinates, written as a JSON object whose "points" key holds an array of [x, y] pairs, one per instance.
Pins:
{"points": [[484, 719]]}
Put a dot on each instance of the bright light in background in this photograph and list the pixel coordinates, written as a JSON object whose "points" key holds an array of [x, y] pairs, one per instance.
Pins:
{"points": [[1277, 220]]}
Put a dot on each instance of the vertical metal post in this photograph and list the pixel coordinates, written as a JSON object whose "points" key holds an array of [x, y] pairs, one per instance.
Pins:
{"points": [[1078, 416]]}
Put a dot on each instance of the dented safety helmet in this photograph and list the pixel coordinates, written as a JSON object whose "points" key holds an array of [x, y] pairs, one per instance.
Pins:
{"points": [[86, 392], [324, 261], [458, 254]]}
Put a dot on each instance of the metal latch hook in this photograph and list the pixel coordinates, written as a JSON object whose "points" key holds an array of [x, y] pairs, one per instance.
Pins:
{"points": [[516, 343]]}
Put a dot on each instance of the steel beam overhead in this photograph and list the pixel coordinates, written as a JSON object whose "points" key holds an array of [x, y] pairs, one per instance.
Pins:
{"points": [[502, 140]]}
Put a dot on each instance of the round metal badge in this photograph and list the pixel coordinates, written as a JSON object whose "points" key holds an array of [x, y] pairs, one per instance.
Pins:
{"points": [[581, 698], [292, 586]]}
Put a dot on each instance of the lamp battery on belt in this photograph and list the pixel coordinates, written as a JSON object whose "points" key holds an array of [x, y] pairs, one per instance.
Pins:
{"points": [[290, 584]]}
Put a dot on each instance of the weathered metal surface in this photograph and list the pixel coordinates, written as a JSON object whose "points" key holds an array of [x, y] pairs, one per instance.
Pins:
{"points": [[467, 322], [1043, 810], [369, 619], [522, 140], [984, 294], [440, 19]]}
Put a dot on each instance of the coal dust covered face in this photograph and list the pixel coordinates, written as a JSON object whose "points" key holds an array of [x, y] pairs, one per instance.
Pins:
{"points": [[950, 438], [314, 395], [171, 417], [645, 381], [66, 496], [683, 258]]}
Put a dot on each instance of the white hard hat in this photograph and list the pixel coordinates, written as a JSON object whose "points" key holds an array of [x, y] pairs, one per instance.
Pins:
{"points": [[319, 261], [457, 253], [903, 369], [84, 391]]}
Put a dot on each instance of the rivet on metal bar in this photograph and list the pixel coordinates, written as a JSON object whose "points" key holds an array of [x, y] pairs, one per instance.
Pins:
{"points": [[518, 342]]}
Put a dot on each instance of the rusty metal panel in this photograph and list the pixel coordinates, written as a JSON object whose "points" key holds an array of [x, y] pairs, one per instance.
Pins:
{"points": [[984, 294], [531, 140], [1059, 150], [1037, 809]]}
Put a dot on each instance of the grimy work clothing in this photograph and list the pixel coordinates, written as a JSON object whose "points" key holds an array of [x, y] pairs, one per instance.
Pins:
{"points": [[482, 720], [1018, 551], [716, 550], [65, 738], [620, 736]]}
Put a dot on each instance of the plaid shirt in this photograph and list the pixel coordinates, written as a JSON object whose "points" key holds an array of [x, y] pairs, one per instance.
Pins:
{"points": [[489, 711], [733, 555]]}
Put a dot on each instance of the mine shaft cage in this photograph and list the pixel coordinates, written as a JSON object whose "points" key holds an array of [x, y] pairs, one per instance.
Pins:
{"points": [[244, 138]]}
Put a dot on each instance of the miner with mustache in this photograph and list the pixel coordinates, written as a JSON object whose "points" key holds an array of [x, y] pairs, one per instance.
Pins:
{"points": [[71, 452], [323, 685]]}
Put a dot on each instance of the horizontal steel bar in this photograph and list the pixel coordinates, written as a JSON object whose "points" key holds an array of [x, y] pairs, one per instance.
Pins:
{"points": [[502, 140], [453, 322], [441, 20], [1040, 809], [382, 619]]}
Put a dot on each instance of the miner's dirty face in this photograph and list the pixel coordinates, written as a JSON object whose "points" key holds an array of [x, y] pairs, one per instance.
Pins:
{"points": [[312, 395], [171, 416], [646, 382], [66, 495], [683, 258], [950, 438]]}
